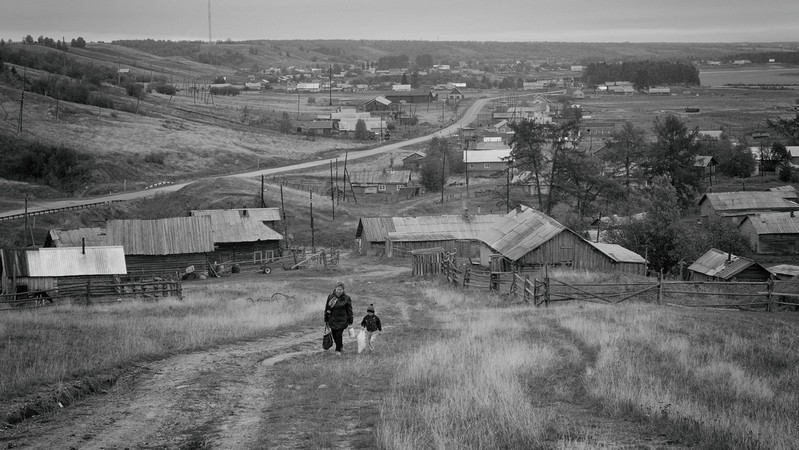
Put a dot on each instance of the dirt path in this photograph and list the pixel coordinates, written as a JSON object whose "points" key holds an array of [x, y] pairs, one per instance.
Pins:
{"points": [[212, 399]]}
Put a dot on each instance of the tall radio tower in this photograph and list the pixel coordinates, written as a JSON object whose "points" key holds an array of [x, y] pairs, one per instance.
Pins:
{"points": [[209, 22]]}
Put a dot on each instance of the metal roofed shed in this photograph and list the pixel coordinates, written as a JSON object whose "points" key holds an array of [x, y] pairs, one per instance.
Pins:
{"points": [[92, 237], [42, 269], [738, 204], [772, 233], [242, 236], [716, 265]]}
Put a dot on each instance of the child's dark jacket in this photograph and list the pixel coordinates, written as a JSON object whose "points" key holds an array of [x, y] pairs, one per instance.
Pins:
{"points": [[371, 323]]}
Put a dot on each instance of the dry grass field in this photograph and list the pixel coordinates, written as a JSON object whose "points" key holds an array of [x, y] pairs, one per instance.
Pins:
{"points": [[454, 369]]}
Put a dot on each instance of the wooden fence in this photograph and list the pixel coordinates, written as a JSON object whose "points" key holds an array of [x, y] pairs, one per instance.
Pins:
{"points": [[92, 292], [299, 258], [773, 295]]}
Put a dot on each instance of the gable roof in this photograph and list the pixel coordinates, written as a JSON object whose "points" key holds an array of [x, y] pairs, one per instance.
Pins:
{"points": [[618, 253], [425, 228], [419, 154], [94, 237], [787, 192], [230, 226], [747, 201], [260, 214], [719, 264], [372, 229], [774, 223], [704, 161], [176, 235], [521, 231], [380, 177]]}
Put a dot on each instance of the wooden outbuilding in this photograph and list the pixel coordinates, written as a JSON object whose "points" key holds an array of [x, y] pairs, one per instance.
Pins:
{"points": [[527, 239], [716, 265], [242, 235], [43, 269], [76, 237], [736, 205], [772, 233], [163, 247], [379, 182]]}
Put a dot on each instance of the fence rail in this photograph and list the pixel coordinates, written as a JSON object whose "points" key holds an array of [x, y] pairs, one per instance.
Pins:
{"points": [[92, 292], [772, 295]]}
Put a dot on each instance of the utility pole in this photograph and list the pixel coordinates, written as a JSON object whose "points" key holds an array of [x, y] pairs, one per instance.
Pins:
{"points": [[507, 191], [283, 213], [209, 23], [26, 218], [263, 202], [338, 197], [344, 175], [443, 166], [22, 100], [332, 191], [330, 85], [298, 103], [313, 242]]}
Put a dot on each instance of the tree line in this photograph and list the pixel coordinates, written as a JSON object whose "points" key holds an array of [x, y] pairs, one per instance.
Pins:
{"points": [[643, 74]]}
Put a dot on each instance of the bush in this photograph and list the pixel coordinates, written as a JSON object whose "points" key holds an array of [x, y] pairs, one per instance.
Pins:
{"points": [[155, 158], [135, 89], [227, 90], [56, 166], [166, 89]]}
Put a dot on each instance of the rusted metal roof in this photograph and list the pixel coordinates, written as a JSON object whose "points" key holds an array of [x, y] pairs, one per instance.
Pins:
{"points": [[748, 201], [94, 236], [718, 264], [230, 225], [64, 261], [173, 236], [618, 253], [520, 232], [380, 177], [774, 223]]}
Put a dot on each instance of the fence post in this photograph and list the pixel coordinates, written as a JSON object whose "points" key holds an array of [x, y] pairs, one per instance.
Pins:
{"points": [[770, 294], [466, 278], [88, 292], [660, 287]]}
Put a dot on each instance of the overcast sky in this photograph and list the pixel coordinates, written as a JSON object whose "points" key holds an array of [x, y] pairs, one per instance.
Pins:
{"points": [[445, 20]]}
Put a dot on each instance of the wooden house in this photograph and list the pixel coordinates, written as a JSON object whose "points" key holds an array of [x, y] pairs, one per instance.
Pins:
{"points": [[706, 166], [411, 97], [737, 205], [379, 182], [487, 163], [243, 235], [716, 265], [772, 233], [163, 247], [43, 269], [455, 94], [414, 160], [370, 237], [527, 239]]}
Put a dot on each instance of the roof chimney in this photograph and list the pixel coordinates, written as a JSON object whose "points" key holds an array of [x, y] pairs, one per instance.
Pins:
{"points": [[729, 256], [519, 209], [83, 246], [792, 214]]}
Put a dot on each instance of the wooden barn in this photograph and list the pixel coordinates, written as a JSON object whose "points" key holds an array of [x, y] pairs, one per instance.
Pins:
{"points": [[527, 239], [242, 235], [43, 269], [163, 247], [716, 265], [772, 233], [396, 236], [740, 204]]}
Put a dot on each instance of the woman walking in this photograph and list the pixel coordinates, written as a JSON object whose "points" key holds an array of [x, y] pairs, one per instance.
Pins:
{"points": [[338, 314]]}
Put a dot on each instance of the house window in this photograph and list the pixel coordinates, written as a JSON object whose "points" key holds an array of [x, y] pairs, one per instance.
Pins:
{"points": [[381, 187], [486, 166]]}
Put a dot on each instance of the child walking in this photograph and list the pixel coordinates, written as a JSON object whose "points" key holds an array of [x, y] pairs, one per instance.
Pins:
{"points": [[371, 326]]}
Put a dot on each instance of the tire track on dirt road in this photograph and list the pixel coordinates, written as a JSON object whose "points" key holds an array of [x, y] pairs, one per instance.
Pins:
{"points": [[207, 398]]}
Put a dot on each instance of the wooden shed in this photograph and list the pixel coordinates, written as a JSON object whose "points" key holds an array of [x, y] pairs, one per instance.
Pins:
{"points": [[384, 182], [527, 239], [42, 269], [772, 233], [370, 237], [242, 235], [716, 265], [455, 233], [76, 237], [163, 247], [740, 204]]}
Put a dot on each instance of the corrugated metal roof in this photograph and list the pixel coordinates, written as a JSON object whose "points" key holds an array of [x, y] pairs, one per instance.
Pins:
{"points": [[486, 156], [173, 236], [786, 192], [72, 261], [380, 177], [719, 264], [456, 225], [775, 223], [520, 232], [420, 237], [618, 253], [95, 236], [239, 226], [747, 201], [261, 214]]}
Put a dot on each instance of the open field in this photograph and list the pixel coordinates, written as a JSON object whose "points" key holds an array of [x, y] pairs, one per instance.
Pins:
{"points": [[452, 368]]}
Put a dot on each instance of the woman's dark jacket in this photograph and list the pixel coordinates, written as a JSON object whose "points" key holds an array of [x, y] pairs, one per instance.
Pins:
{"points": [[340, 315]]}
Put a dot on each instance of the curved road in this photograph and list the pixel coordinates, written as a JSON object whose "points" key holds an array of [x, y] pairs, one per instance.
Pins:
{"points": [[468, 117]]}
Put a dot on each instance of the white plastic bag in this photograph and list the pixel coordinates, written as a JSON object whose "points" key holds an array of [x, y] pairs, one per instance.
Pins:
{"points": [[352, 332], [362, 341]]}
